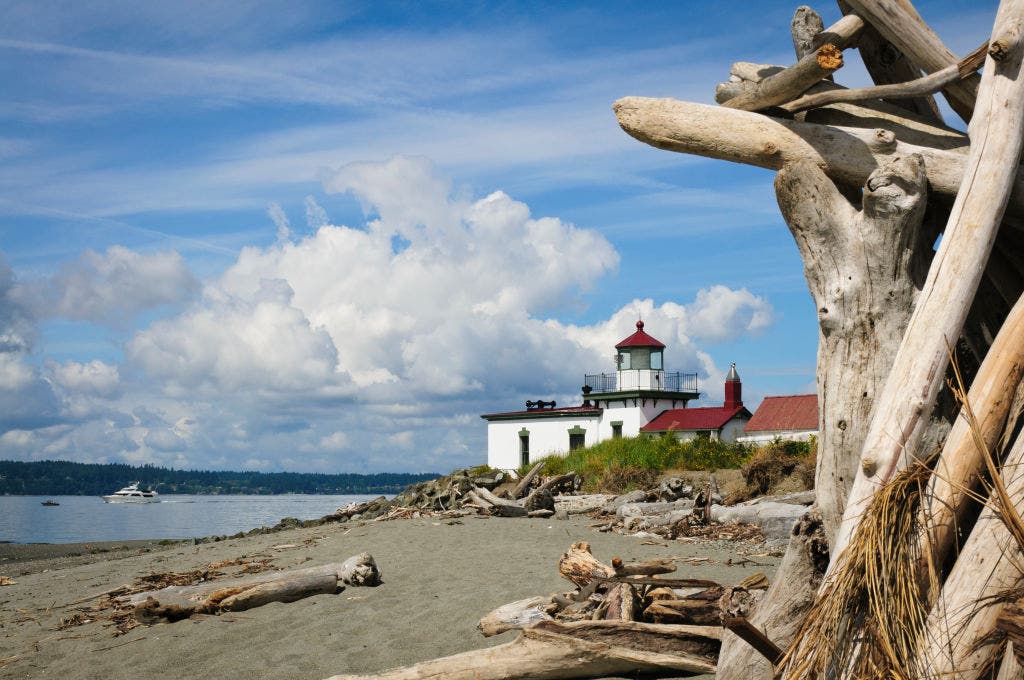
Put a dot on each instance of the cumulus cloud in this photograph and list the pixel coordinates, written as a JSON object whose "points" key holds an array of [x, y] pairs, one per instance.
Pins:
{"points": [[111, 287], [93, 378]]}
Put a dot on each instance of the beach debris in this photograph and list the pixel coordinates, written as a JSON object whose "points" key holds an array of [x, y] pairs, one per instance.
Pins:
{"points": [[622, 619], [6, 581]]}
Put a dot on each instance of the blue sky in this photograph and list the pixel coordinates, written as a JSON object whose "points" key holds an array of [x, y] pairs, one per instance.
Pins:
{"points": [[327, 236]]}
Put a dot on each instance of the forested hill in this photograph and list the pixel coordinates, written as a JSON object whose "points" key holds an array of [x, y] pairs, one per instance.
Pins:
{"points": [[63, 478]]}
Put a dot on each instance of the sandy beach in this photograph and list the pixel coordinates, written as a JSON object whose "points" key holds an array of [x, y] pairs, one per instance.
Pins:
{"points": [[440, 576]]}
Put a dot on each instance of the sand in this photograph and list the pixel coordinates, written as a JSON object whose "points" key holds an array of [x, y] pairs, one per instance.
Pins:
{"points": [[439, 576]]}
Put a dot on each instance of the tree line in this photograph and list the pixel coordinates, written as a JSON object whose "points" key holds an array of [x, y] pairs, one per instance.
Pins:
{"points": [[65, 478]]}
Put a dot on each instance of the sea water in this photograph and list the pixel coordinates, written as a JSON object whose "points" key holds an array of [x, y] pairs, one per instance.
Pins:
{"points": [[24, 519]]}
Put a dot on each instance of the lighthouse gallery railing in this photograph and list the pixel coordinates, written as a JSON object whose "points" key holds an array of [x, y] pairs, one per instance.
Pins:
{"points": [[670, 382]]}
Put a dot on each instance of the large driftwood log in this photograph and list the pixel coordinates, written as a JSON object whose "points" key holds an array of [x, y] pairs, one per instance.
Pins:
{"points": [[959, 628], [847, 155], [905, 403], [524, 483], [587, 649], [901, 25], [789, 596], [861, 267]]}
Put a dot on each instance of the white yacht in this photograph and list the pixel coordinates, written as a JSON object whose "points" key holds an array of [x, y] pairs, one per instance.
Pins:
{"points": [[132, 494]]}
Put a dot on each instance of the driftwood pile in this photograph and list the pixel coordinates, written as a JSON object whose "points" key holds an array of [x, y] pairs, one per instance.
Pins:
{"points": [[918, 471], [620, 619]]}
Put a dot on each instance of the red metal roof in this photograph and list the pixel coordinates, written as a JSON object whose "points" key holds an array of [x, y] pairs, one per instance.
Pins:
{"points": [[640, 339], [705, 418], [795, 412]]}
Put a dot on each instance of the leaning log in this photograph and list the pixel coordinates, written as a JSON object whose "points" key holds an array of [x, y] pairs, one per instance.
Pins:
{"points": [[586, 649], [847, 155], [902, 410]]}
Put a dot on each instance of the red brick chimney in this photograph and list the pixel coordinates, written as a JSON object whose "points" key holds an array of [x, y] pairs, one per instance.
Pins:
{"points": [[733, 389]]}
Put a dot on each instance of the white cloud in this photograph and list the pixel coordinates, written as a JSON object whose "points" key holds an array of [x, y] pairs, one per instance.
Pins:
{"points": [[336, 441], [93, 378], [111, 287]]}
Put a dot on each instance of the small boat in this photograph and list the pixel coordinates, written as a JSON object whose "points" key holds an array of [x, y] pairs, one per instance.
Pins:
{"points": [[50, 504], [132, 494]]}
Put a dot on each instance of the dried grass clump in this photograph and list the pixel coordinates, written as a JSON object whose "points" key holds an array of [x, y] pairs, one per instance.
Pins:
{"points": [[871, 616], [768, 468], [623, 478]]}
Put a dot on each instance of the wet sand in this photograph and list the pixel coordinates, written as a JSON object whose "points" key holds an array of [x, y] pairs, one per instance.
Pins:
{"points": [[439, 576]]}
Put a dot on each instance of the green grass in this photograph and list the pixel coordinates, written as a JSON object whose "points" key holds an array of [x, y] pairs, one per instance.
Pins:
{"points": [[618, 462]]}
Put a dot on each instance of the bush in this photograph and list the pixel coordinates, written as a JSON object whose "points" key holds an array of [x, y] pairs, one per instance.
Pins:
{"points": [[779, 459]]}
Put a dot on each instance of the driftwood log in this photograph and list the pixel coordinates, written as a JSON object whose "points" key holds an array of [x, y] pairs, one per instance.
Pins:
{"points": [[176, 602], [586, 649]]}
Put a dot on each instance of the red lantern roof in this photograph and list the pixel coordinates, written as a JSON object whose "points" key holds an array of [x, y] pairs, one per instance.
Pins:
{"points": [[640, 339]]}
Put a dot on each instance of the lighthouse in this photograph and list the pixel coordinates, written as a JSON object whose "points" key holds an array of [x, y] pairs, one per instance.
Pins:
{"points": [[614, 404]]}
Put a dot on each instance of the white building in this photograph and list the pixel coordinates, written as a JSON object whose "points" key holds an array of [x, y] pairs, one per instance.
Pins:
{"points": [[615, 404]]}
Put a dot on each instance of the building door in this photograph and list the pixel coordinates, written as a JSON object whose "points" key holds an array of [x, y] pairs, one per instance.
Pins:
{"points": [[524, 449]]}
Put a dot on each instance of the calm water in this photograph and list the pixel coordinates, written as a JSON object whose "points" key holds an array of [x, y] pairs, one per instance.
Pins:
{"points": [[23, 519]]}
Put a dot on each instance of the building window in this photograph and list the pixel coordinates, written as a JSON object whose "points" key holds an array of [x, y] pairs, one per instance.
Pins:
{"points": [[616, 429], [524, 447], [656, 360], [577, 438]]}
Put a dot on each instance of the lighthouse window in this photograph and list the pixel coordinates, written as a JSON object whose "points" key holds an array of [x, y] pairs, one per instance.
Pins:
{"points": [[577, 438], [623, 361], [641, 358], [656, 361]]}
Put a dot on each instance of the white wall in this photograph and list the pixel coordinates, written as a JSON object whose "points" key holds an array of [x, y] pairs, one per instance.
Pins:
{"points": [[548, 436], [632, 417], [733, 429], [766, 437]]}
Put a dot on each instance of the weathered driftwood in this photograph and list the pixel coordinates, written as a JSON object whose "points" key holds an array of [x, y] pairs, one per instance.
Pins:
{"points": [[805, 27], [901, 25], [790, 83], [518, 614], [961, 623], [861, 267], [845, 154], [908, 90], [287, 589], [887, 65], [580, 567], [789, 597], [651, 567], [259, 589], [742, 628], [586, 649], [1010, 668], [499, 507], [524, 483], [960, 465], [902, 410]]}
